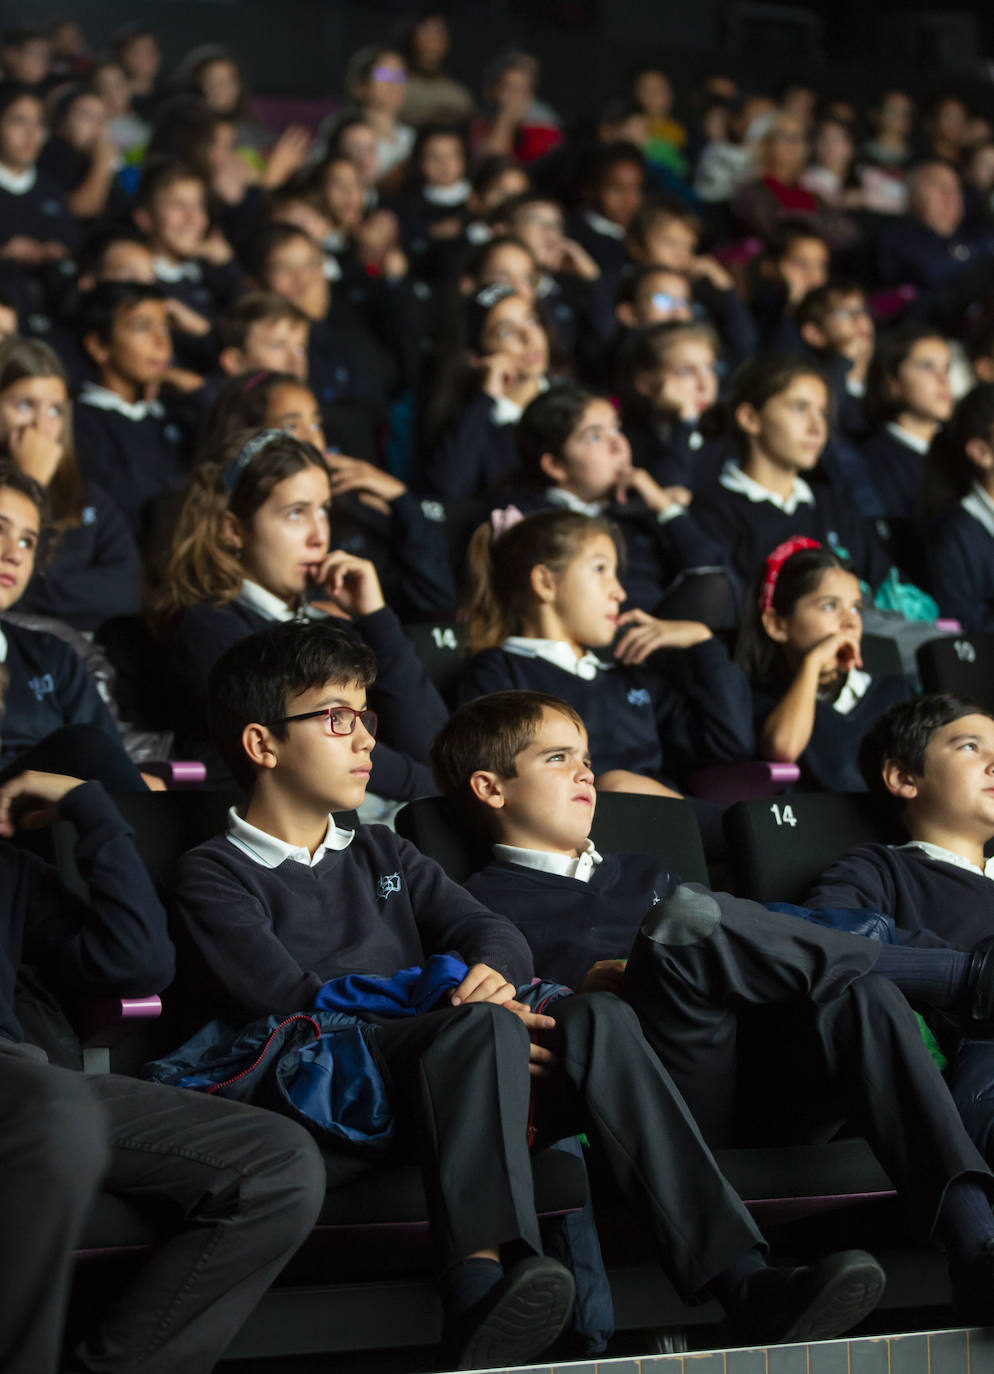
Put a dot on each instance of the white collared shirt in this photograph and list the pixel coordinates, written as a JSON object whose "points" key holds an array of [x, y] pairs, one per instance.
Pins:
{"points": [[946, 856], [456, 194], [508, 412], [734, 479], [905, 437], [569, 500], [3, 647], [188, 270], [545, 861], [556, 651], [102, 398], [853, 690], [18, 183], [602, 225], [267, 850], [274, 607], [978, 504]]}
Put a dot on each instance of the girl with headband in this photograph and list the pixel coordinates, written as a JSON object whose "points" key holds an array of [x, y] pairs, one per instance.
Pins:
{"points": [[252, 546], [800, 648]]}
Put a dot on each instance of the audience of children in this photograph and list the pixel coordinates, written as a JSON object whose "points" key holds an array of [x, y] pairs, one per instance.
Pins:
{"points": [[700, 370]]}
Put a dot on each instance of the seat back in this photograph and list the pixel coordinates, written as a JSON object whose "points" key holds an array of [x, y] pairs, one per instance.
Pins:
{"points": [[963, 664], [443, 648], [778, 849], [625, 822], [881, 656]]}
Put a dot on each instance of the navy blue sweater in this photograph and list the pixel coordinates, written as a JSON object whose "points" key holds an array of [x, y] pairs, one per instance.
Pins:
{"points": [[266, 939], [115, 944], [897, 471], [932, 902], [570, 925], [411, 711], [140, 461], [961, 569], [473, 456], [635, 718], [409, 551], [828, 764], [40, 213], [95, 572], [49, 687]]}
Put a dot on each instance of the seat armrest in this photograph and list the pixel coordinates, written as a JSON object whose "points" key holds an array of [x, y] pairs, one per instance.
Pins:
{"points": [[731, 782], [106, 1021], [176, 773], [952, 627]]}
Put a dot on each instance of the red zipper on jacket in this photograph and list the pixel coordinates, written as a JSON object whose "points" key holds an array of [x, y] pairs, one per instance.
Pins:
{"points": [[298, 1016]]}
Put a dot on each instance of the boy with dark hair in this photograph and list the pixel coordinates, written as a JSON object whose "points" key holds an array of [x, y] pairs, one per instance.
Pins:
{"points": [[700, 961], [125, 439], [835, 324], [243, 1187], [262, 331], [286, 901], [796, 261], [932, 759]]}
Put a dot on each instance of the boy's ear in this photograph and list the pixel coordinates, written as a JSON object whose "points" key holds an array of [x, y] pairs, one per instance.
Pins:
{"points": [[97, 349], [232, 361], [899, 782], [775, 625], [553, 467], [984, 368], [143, 221], [486, 788], [813, 334], [980, 453], [543, 583], [625, 314], [747, 418], [257, 741], [645, 384]]}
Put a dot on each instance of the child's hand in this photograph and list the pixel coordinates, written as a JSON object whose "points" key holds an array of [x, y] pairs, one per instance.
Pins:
{"points": [[216, 248], [351, 583], [353, 474], [21, 248], [541, 1061], [574, 258], [679, 396], [647, 634], [482, 984], [712, 269], [35, 798], [500, 372], [657, 498], [607, 975], [448, 228], [184, 319], [838, 652], [37, 454], [621, 780], [287, 155]]}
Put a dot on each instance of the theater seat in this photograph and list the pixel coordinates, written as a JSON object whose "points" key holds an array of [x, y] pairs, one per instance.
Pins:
{"points": [[963, 664]]}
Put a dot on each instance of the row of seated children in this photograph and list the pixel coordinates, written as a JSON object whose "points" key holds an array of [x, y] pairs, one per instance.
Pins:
{"points": [[289, 707]]}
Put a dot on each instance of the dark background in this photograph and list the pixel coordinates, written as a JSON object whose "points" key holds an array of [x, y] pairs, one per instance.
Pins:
{"points": [[847, 47]]}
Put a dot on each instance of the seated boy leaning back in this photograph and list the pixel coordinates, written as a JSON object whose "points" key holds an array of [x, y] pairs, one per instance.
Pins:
{"points": [[932, 758], [285, 901], [520, 758]]}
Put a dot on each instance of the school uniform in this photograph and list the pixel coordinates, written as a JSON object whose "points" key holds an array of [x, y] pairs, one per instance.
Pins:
{"points": [[896, 459], [206, 287], [411, 711], [351, 376], [751, 521], [909, 253], [243, 1186], [134, 449], [728, 313], [675, 452], [32, 204], [658, 546], [477, 452], [369, 901], [960, 554], [828, 763], [54, 717], [635, 718], [700, 963], [94, 572], [935, 898], [408, 549]]}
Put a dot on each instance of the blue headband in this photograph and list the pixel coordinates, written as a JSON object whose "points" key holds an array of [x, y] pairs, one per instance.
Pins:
{"points": [[231, 473]]}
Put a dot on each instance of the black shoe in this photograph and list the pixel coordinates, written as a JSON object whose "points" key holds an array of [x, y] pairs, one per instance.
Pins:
{"points": [[518, 1319], [814, 1303], [973, 1288]]}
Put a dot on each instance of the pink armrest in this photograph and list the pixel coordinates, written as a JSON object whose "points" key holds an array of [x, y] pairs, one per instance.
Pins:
{"points": [[176, 772], [732, 782], [107, 1021], [951, 627]]}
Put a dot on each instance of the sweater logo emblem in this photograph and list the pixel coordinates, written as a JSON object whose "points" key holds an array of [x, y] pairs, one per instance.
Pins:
{"points": [[42, 686], [173, 433], [388, 883], [639, 696]]}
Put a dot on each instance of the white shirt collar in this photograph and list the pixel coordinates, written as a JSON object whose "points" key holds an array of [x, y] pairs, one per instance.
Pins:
{"points": [[734, 479], [905, 437], [580, 868], [508, 412], [946, 856], [18, 183], [601, 225], [558, 652], [3, 647], [456, 194], [188, 270], [273, 607], [978, 504], [102, 398], [270, 852], [853, 690], [569, 500]]}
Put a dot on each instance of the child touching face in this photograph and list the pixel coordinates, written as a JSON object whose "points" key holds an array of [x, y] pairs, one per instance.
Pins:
{"points": [[960, 540]]}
